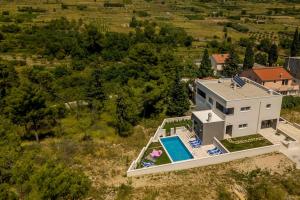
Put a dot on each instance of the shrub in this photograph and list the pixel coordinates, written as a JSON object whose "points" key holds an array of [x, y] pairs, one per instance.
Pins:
{"points": [[289, 102], [237, 27], [142, 13], [11, 28], [109, 4], [5, 12], [194, 17], [81, 7]]}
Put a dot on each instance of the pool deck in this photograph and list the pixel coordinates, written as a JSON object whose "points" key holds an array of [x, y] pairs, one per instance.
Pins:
{"points": [[200, 152]]}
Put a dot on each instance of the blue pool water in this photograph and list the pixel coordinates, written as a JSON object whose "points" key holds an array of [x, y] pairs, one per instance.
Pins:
{"points": [[176, 148]]}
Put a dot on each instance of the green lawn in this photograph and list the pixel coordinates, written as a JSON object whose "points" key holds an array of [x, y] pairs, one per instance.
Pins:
{"points": [[245, 142], [169, 125], [163, 159]]}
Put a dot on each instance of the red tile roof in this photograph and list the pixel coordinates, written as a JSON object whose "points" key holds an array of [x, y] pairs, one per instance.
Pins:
{"points": [[220, 58], [271, 73]]}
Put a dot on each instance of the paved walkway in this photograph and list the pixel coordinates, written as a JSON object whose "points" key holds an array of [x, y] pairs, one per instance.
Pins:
{"points": [[200, 152], [292, 152]]}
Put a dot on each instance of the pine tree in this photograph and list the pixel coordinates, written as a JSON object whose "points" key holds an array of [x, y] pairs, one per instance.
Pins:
{"points": [[178, 102], [95, 92], [273, 55], [231, 66], [249, 58], [295, 47], [205, 67], [122, 124]]}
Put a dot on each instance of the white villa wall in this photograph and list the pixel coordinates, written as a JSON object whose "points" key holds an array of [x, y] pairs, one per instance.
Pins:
{"points": [[203, 161]]}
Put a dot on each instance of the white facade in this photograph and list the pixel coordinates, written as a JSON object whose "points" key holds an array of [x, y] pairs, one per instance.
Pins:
{"points": [[245, 110]]}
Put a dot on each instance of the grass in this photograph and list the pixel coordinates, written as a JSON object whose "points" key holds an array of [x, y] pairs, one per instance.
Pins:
{"points": [[245, 142], [169, 125], [163, 159]]}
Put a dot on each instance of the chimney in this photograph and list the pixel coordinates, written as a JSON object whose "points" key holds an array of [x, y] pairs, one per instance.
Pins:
{"points": [[209, 117], [270, 91]]}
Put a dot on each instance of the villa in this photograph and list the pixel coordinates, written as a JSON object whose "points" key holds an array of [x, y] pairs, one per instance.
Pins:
{"points": [[217, 62], [275, 78], [234, 118], [230, 105]]}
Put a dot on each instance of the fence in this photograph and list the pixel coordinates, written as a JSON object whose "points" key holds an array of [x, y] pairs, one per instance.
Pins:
{"points": [[203, 161]]}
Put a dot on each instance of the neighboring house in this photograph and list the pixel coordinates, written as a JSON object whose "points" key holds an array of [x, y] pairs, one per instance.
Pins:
{"points": [[293, 65], [228, 110], [217, 62], [275, 78]]}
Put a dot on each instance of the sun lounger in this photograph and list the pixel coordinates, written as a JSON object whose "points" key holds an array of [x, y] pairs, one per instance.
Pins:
{"points": [[147, 164], [195, 145], [212, 150]]}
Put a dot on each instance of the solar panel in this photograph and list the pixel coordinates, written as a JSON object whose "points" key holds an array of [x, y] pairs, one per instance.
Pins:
{"points": [[239, 81]]}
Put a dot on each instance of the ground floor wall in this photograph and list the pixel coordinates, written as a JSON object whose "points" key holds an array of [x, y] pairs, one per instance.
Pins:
{"points": [[181, 165]]}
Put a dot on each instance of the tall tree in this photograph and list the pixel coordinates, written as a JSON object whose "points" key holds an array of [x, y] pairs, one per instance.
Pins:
{"points": [[56, 181], [205, 67], [273, 55], [27, 107], [95, 91], [178, 101], [249, 58], [231, 66], [8, 79], [122, 124], [295, 47], [261, 58]]}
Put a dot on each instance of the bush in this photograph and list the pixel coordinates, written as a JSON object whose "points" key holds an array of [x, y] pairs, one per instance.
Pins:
{"points": [[289, 102], [142, 13], [194, 17], [237, 27], [108, 4], [81, 7], [31, 9], [11, 28], [5, 12]]}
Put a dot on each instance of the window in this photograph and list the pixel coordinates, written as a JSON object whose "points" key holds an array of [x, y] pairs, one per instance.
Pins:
{"points": [[227, 111], [268, 106], [211, 101], [285, 82], [274, 81], [201, 93], [220, 107], [244, 109], [243, 125]]}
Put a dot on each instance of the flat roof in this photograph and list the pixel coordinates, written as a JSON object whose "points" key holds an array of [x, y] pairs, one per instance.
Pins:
{"points": [[203, 116], [224, 88]]}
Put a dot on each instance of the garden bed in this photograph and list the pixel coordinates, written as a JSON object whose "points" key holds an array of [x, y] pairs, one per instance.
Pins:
{"points": [[163, 159], [245, 142], [180, 123]]}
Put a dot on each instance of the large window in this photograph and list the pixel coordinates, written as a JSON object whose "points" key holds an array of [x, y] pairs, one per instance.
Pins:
{"points": [[244, 109], [285, 82], [227, 111], [243, 125], [201, 93]]}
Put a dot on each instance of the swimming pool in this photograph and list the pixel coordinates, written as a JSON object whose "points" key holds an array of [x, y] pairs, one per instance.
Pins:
{"points": [[176, 148]]}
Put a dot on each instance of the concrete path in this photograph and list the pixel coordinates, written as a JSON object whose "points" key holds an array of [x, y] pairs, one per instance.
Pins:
{"points": [[293, 152]]}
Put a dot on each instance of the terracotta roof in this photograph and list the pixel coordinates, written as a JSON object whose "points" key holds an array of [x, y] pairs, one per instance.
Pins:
{"points": [[220, 58], [272, 73]]}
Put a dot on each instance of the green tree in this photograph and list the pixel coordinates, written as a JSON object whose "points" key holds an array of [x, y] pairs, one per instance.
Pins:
{"points": [[231, 66], [8, 79], [27, 107], [178, 102], [56, 181], [261, 58], [6, 193], [95, 91], [249, 58], [295, 46], [205, 67], [273, 55], [122, 124]]}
